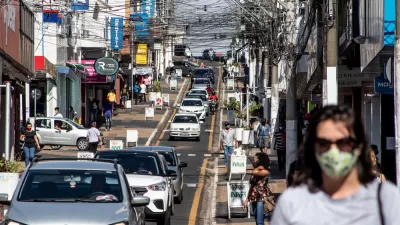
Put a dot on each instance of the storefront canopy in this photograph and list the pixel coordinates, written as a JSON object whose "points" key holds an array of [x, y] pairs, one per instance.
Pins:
{"points": [[142, 71], [78, 69]]}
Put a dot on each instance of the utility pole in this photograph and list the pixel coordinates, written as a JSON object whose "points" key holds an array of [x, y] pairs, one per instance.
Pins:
{"points": [[266, 75], [397, 91], [274, 96], [291, 92], [330, 92], [132, 48]]}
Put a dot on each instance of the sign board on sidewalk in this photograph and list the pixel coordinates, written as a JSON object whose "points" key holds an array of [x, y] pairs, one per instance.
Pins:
{"points": [[158, 103], [153, 96], [238, 165], [128, 104], [85, 155], [116, 145], [173, 84], [165, 98], [230, 84], [132, 136], [148, 113], [237, 194], [178, 73]]}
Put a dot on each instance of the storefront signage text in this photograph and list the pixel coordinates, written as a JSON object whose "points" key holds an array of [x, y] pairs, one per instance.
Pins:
{"points": [[106, 66]]}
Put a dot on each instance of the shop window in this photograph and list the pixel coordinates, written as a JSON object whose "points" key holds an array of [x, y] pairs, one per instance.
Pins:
{"points": [[43, 123]]}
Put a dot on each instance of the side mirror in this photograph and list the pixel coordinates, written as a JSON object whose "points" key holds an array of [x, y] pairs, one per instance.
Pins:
{"points": [[4, 199], [171, 173], [182, 165], [201, 121], [139, 201]]}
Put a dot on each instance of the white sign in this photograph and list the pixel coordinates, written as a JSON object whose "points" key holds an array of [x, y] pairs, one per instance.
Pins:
{"points": [[158, 103], [237, 194], [85, 155], [231, 84], [173, 84], [165, 98], [148, 113], [178, 73], [116, 145], [238, 165], [157, 46], [128, 104], [153, 96], [132, 136], [235, 95]]}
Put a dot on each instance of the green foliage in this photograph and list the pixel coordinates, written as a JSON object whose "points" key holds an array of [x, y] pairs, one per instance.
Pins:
{"points": [[156, 86], [11, 166], [232, 104], [254, 108]]}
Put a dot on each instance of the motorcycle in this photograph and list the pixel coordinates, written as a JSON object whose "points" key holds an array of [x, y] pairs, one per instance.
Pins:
{"points": [[213, 106]]}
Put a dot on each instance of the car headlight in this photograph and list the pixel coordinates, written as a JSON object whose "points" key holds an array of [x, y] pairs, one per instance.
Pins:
{"points": [[175, 128], [158, 187], [195, 128]]}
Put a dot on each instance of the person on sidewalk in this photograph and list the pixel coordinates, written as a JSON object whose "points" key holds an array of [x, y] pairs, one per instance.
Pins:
{"points": [[279, 147], [94, 138], [30, 143], [337, 185], [125, 94], [57, 113], [255, 126], [136, 92], [111, 97], [95, 110], [380, 177], [228, 141], [143, 91], [258, 186], [263, 134], [108, 113]]}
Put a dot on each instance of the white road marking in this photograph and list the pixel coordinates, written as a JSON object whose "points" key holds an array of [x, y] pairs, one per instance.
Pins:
{"points": [[209, 131], [191, 154], [191, 185], [207, 155], [178, 154]]}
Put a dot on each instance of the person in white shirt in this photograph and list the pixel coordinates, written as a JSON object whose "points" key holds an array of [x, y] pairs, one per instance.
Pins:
{"points": [[143, 91], [94, 138], [57, 114]]}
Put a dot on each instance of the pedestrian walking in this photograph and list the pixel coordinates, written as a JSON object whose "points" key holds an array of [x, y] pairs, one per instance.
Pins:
{"points": [[108, 113], [259, 187], [111, 97], [95, 110], [93, 137], [136, 92], [380, 177], [279, 147], [57, 112], [337, 186], [143, 90], [227, 143], [263, 134], [125, 94], [30, 143]]}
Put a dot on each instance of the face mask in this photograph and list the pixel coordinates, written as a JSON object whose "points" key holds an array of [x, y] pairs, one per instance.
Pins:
{"points": [[255, 164], [29, 129], [335, 163]]}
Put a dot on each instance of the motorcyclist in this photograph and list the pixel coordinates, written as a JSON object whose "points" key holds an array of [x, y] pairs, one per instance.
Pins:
{"points": [[209, 89], [213, 96], [202, 65]]}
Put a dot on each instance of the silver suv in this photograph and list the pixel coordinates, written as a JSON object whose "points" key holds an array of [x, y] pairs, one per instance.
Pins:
{"points": [[57, 132], [60, 191]]}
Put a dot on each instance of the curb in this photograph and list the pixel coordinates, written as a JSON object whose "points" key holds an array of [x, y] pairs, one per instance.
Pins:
{"points": [[167, 114]]}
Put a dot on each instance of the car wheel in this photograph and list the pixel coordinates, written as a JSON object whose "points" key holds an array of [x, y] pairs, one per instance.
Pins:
{"points": [[166, 220], [55, 147], [82, 144]]}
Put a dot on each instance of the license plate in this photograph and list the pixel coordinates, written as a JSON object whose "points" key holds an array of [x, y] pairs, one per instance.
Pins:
{"points": [[184, 134]]}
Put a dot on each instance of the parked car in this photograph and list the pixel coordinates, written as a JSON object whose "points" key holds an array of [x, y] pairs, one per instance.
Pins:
{"points": [[74, 192], [173, 163], [205, 100], [184, 125], [198, 91], [186, 67], [201, 83], [196, 106], [148, 175], [201, 71], [68, 134]]}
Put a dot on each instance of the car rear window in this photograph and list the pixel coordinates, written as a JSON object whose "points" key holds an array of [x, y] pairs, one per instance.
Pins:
{"points": [[185, 119], [192, 103], [202, 97], [201, 81], [71, 186], [199, 72], [169, 157], [142, 164]]}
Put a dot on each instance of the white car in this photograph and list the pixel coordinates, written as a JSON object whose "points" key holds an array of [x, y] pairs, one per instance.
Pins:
{"points": [[199, 91], [148, 175], [196, 106], [185, 125]]}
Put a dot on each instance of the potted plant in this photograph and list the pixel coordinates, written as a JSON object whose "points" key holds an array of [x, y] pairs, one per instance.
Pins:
{"points": [[9, 175], [156, 91], [253, 110], [246, 135]]}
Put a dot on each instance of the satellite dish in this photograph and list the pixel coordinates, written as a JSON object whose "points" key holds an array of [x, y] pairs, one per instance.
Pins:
{"points": [[388, 70]]}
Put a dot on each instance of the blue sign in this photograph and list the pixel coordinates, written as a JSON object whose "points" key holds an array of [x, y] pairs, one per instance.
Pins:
{"points": [[383, 86], [117, 33], [148, 7], [79, 5], [50, 16], [141, 25]]}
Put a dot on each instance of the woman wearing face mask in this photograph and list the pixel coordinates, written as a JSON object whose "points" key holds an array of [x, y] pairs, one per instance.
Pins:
{"points": [[30, 141], [337, 186], [258, 186]]}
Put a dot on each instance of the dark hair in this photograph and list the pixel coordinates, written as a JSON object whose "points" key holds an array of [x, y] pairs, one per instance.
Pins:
{"points": [[263, 159], [311, 174], [56, 108], [263, 122], [28, 123], [375, 149]]}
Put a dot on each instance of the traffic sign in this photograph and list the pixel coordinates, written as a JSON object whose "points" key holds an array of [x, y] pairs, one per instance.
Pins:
{"points": [[36, 92]]}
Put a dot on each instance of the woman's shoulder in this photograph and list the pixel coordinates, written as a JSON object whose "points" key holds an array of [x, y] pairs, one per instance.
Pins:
{"points": [[295, 194]]}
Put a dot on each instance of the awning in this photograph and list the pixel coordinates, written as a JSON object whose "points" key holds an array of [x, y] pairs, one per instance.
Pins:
{"points": [[143, 71], [80, 67], [73, 69]]}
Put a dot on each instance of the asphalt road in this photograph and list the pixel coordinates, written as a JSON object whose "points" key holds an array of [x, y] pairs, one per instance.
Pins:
{"points": [[196, 155]]}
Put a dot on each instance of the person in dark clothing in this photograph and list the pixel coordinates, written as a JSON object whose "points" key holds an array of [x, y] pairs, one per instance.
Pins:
{"points": [[280, 147], [108, 112], [30, 140], [375, 149], [136, 91]]}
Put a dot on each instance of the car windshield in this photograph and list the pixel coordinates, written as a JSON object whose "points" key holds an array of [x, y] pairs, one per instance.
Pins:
{"points": [[201, 81], [142, 164], [199, 72], [192, 103], [185, 119], [169, 157], [71, 186], [75, 124], [202, 97], [198, 92], [203, 75]]}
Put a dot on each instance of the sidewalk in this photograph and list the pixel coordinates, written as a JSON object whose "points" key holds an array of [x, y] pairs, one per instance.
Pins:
{"points": [[132, 119]]}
